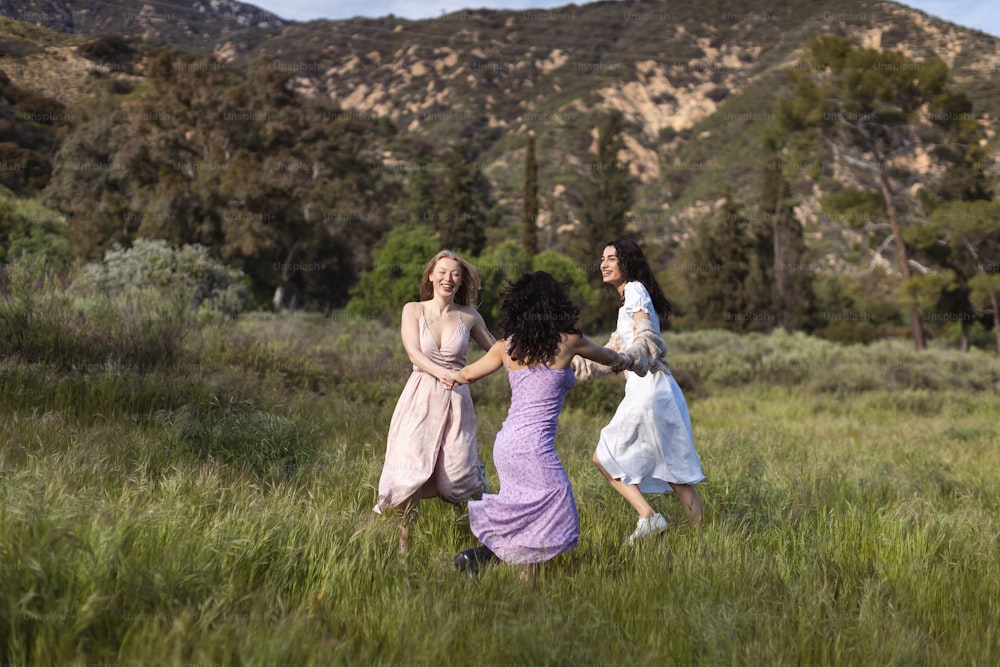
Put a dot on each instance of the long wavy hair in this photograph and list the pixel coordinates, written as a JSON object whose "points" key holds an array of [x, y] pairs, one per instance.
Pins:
{"points": [[633, 265], [536, 310], [467, 292]]}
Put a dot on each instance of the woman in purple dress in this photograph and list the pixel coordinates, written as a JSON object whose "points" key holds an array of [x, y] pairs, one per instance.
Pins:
{"points": [[534, 517]]}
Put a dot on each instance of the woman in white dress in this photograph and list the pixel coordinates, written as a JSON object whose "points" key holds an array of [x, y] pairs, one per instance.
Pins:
{"points": [[648, 446]]}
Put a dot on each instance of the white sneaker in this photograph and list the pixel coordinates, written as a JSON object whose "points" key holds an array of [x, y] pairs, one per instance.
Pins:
{"points": [[654, 525]]}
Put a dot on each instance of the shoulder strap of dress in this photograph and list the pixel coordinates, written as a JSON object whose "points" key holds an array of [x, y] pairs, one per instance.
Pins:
{"points": [[506, 353]]}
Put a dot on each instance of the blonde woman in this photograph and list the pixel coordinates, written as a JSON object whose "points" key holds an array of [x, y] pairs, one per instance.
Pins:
{"points": [[431, 449]]}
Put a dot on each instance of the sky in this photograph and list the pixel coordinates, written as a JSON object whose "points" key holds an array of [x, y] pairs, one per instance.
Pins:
{"points": [[980, 14]]}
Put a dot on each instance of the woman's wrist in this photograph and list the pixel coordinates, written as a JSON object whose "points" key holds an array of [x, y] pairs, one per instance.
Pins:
{"points": [[622, 363]]}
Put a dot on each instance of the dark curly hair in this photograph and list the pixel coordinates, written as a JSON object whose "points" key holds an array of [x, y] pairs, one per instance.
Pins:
{"points": [[634, 266], [536, 309]]}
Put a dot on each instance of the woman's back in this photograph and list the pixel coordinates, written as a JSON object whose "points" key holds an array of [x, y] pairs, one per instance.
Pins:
{"points": [[537, 394]]}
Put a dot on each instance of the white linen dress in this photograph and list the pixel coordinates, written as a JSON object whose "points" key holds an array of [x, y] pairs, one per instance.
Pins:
{"points": [[649, 440]]}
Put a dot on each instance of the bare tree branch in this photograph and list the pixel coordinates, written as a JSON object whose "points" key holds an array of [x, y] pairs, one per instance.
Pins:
{"points": [[876, 257]]}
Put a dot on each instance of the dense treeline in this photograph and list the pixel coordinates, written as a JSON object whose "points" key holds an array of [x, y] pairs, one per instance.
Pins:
{"points": [[300, 195], [274, 184], [859, 116], [31, 126]]}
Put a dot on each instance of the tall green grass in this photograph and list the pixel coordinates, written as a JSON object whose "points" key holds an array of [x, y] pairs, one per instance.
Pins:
{"points": [[217, 510]]}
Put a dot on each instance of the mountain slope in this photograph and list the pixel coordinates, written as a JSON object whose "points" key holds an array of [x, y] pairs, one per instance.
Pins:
{"points": [[191, 24], [696, 83]]}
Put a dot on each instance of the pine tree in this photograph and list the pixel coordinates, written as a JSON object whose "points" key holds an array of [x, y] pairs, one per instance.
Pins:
{"points": [[717, 261], [760, 288], [865, 106], [943, 240], [965, 239]]}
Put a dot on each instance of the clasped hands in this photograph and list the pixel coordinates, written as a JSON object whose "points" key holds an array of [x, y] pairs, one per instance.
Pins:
{"points": [[625, 363], [450, 379]]}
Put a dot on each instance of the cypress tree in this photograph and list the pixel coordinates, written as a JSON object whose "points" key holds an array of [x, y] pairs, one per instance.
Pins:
{"points": [[607, 195], [782, 252], [529, 210], [463, 203], [419, 194]]}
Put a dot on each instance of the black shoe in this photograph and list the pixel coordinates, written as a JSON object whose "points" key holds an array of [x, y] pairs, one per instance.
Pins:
{"points": [[470, 559]]}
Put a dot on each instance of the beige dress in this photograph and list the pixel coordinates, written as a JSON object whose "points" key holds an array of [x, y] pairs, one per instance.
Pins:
{"points": [[432, 435]]}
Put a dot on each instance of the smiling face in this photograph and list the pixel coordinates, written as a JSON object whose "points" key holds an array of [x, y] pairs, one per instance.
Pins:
{"points": [[446, 277], [611, 271]]}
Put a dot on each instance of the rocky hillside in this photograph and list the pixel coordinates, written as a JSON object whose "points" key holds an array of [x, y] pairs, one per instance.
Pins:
{"points": [[696, 81], [189, 24]]}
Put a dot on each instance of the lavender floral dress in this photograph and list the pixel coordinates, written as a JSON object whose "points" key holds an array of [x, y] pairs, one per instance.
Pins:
{"points": [[534, 516]]}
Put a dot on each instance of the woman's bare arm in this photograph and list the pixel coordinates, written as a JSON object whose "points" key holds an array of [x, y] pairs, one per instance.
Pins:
{"points": [[487, 364], [588, 349], [480, 333]]}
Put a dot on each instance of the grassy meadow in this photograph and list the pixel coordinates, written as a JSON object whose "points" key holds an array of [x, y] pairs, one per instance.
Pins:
{"points": [[212, 506]]}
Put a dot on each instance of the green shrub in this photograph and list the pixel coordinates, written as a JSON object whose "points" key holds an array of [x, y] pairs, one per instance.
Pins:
{"points": [[496, 265], [720, 360], [394, 278], [109, 49], [42, 323], [188, 272], [27, 228]]}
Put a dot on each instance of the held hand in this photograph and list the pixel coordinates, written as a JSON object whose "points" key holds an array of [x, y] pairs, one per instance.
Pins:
{"points": [[452, 379], [448, 379], [624, 363]]}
